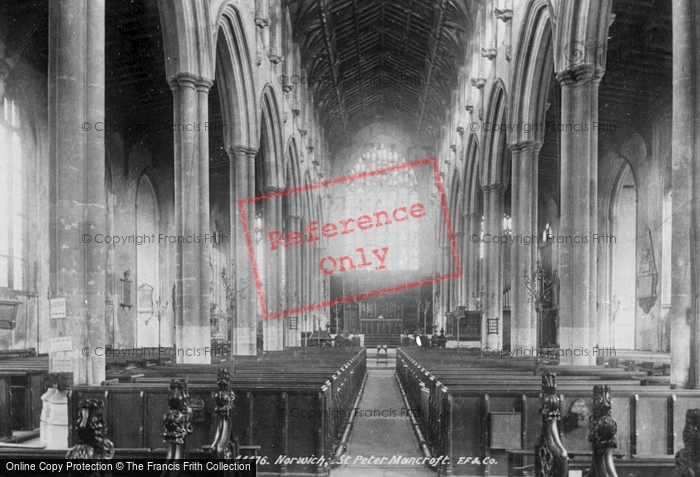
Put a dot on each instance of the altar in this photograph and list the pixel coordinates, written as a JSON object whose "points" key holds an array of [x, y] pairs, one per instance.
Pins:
{"points": [[405, 310], [381, 326]]}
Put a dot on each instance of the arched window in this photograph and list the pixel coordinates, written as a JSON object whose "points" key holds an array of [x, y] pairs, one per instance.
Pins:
{"points": [[12, 211], [384, 192], [623, 215], [147, 263]]}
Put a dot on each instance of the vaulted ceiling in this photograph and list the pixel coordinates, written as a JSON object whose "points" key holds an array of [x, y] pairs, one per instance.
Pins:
{"points": [[382, 60]]}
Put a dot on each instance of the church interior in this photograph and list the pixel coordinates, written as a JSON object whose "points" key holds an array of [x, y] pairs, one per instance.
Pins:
{"points": [[332, 237]]}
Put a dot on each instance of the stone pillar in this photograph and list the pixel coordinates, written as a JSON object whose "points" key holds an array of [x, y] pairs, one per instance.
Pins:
{"points": [[685, 364], [273, 281], [76, 158], [523, 256], [78, 264], [577, 258], [241, 170], [458, 298], [493, 203], [465, 257], [305, 317], [319, 250], [444, 284], [474, 231], [190, 105], [294, 284]]}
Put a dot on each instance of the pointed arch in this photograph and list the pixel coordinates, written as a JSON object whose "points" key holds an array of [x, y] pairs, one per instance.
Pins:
{"points": [[533, 71], [235, 78], [293, 176], [455, 203], [622, 217], [494, 150], [472, 173], [581, 36], [271, 141], [187, 38], [147, 262]]}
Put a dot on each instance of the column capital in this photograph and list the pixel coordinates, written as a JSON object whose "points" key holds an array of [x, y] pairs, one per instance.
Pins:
{"points": [[526, 144], [579, 74], [493, 187], [241, 149], [189, 80]]}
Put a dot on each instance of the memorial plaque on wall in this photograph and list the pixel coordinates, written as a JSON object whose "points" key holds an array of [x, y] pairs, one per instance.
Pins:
{"points": [[647, 275]]}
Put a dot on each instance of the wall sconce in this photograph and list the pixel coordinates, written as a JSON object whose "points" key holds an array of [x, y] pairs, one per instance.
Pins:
{"points": [[8, 309], [126, 290]]}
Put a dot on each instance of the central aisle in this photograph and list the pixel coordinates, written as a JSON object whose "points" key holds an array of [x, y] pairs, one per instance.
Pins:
{"points": [[382, 429]]}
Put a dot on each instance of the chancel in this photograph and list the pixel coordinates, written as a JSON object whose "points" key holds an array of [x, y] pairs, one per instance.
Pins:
{"points": [[351, 237]]}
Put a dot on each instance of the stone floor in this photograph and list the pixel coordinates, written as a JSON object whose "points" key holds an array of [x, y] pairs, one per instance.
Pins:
{"points": [[382, 430]]}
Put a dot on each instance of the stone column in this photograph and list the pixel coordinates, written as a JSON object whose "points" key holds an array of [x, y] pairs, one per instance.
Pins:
{"points": [[320, 312], [294, 280], [458, 287], [493, 202], [76, 160], [190, 104], [305, 317], [473, 287], [577, 258], [466, 260], [444, 284], [273, 281], [523, 256], [685, 364], [77, 155], [241, 171]]}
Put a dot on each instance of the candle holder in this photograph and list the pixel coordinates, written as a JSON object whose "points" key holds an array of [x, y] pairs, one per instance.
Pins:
{"points": [[542, 289], [540, 285]]}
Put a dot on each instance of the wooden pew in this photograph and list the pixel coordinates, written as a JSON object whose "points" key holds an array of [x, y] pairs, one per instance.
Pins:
{"points": [[93, 443], [601, 460], [688, 458], [5, 408], [297, 414], [471, 416], [551, 459], [26, 388], [17, 353]]}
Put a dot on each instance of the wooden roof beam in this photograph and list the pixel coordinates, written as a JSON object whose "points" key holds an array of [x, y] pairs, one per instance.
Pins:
{"points": [[435, 33], [356, 14], [333, 61]]}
